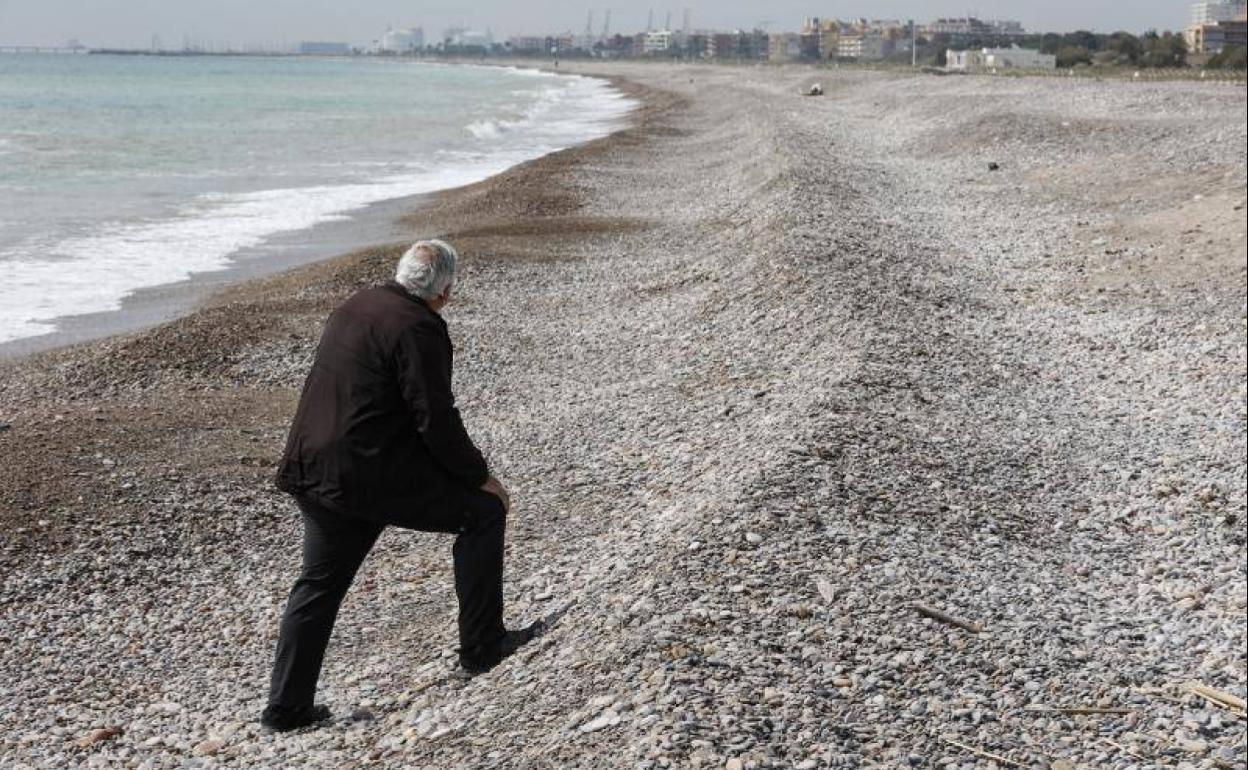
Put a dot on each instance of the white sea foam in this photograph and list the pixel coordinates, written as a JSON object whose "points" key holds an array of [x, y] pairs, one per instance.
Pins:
{"points": [[485, 129], [44, 282]]}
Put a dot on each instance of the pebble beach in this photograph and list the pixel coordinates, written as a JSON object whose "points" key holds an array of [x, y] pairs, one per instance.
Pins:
{"points": [[902, 426]]}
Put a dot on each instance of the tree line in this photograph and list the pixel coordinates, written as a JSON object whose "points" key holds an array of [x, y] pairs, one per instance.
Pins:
{"points": [[1084, 48]]}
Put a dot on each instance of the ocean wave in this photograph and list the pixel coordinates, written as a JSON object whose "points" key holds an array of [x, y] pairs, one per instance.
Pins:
{"points": [[125, 257], [543, 113], [485, 129], [122, 257]]}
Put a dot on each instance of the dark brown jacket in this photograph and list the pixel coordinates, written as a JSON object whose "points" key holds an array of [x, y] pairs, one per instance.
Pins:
{"points": [[377, 424]]}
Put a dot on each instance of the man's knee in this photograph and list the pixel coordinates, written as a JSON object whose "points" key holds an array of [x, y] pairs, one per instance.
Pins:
{"points": [[488, 513]]}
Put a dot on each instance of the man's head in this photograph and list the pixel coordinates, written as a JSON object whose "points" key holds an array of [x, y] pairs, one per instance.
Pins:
{"points": [[427, 270]]}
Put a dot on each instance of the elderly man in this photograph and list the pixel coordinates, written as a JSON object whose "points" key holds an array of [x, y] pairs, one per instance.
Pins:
{"points": [[377, 440]]}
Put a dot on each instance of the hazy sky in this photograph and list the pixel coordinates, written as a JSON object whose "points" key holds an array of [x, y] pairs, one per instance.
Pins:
{"points": [[133, 22]]}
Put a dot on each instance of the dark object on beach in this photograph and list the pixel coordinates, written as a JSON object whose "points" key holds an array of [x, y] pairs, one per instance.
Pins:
{"points": [[945, 617], [815, 90], [994, 166], [5, 426], [280, 719], [98, 735]]}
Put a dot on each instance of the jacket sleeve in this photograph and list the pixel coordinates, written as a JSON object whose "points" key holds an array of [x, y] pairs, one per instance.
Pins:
{"points": [[423, 359]]}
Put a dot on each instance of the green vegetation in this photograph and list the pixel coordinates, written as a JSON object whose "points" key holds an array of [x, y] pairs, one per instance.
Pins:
{"points": [[1090, 49], [1233, 57]]}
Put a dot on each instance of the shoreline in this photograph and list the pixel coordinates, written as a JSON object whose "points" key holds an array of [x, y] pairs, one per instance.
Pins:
{"points": [[203, 344], [374, 225], [145, 308]]}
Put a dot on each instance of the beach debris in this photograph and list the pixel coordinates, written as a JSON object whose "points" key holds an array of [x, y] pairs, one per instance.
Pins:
{"points": [[980, 752], [943, 617], [607, 719], [5, 426], [1080, 710], [815, 90], [1217, 697], [98, 735], [994, 166], [361, 714], [826, 590], [208, 747], [1124, 749]]}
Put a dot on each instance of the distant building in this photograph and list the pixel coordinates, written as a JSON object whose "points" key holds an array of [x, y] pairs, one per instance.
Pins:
{"points": [[998, 59], [614, 47], [459, 38], [1213, 26], [639, 44], [820, 38], [402, 40], [871, 45], [689, 44], [786, 46], [320, 48], [738, 45], [656, 42], [1212, 13], [528, 44], [1212, 38], [969, 27], [561, 44]]}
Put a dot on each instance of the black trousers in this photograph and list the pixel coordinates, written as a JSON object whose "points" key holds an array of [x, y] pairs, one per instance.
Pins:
{"points": [[335, 545]]}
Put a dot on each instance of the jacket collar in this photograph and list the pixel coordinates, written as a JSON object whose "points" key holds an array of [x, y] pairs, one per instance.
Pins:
{"points": [[397, 288]]}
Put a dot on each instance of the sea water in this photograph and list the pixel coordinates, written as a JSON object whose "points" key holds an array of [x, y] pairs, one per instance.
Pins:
{"points": [[124, 172]]}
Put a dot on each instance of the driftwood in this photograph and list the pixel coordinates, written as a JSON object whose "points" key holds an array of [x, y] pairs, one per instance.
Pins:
{"points": [[1196, 593], [1223, 699], [981, 752], [936, 614], [826, 590], [1125, 749], [1079, 710]]}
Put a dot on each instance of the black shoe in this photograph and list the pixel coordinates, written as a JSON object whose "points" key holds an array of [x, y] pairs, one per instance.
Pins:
{"points": [[282, 719], [485, 657]]}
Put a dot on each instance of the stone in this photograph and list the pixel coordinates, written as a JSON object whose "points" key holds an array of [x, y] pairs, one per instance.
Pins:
{"points": [[208, 747], [98, 735], [606, 719]]}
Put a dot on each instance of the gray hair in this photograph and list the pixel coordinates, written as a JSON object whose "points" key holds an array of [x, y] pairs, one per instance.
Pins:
{"points": [[427, 269]]}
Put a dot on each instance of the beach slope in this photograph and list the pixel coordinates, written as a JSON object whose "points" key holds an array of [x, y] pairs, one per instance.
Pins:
{"points": [[765, 374]]}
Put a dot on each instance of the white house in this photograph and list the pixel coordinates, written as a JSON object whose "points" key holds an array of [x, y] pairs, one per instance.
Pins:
{"points": [[999, 59], [657, 41], [403, 40]]}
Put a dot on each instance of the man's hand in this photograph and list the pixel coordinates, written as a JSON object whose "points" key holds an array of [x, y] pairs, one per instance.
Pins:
{"points": [[496, 488]]}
